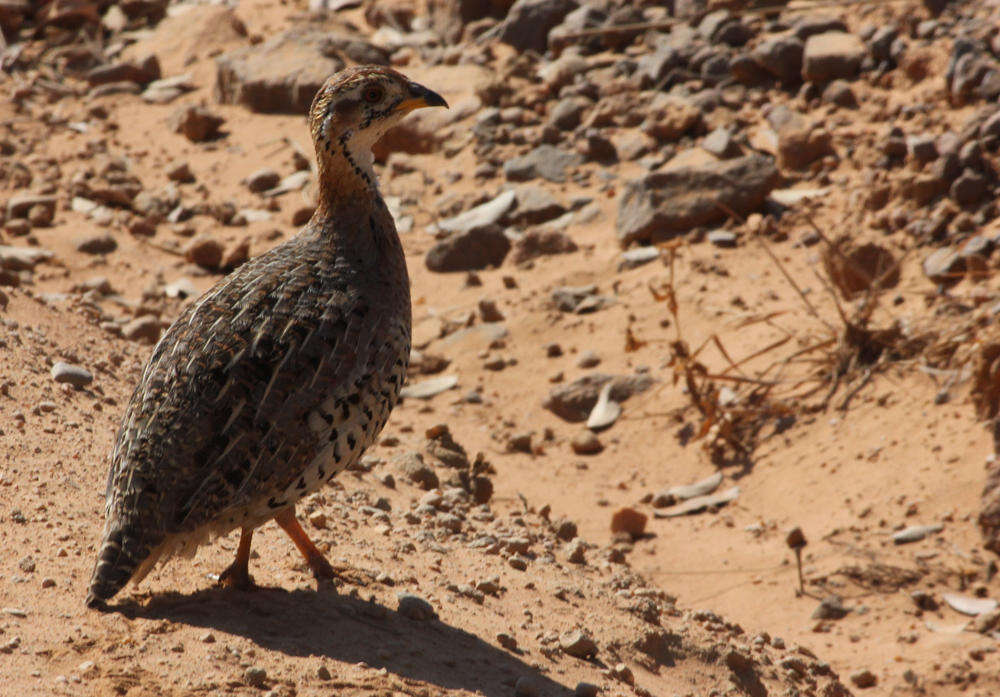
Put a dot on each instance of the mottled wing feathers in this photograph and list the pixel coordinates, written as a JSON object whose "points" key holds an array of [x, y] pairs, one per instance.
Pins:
{"points": [[221, 415]]}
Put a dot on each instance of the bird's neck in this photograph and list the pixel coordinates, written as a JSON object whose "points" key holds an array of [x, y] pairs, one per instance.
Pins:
{"points": [[346, 176]]}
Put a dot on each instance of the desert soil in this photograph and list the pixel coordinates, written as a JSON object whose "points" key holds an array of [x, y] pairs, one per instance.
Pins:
{"points": [[529, 591]]}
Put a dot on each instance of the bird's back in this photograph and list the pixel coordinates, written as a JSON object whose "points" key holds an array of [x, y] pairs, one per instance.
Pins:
{"points": [[264, 388]]}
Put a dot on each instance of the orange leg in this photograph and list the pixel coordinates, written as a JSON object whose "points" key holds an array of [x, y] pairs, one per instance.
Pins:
{"points": [[317, 562], [237, 575]]}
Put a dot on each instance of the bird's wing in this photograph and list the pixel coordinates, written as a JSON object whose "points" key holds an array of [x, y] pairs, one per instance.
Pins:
{"points": [[222, 409]]}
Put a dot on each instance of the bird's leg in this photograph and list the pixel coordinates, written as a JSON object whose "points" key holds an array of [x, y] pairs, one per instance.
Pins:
{"points": [[237, 575], [317, 562]]}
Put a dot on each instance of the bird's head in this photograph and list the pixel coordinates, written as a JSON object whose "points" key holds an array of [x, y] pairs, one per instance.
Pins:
{"points": [[355, 107]]}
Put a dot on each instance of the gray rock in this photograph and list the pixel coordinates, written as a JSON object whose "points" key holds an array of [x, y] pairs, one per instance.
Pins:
{"points": [[411, 465], [830, 608], [145, 329], [970, 188], [255, 677], [140, 72], [415, 607], [534, 205], [22, 258], [638, 256], [944, 266], [538, 243], [74, 375], [479, 248], [180, 171], [574, 402], [545, 161], [811, 25], [482, 216], [567, 113], [578, 644], [841, 93], [19, 205], [781, 57], [722, 238], [281, 75], [205, 251], [529, 22], [832, 55], [665, 204], [915, 533], [721, 144], [585, 689]]}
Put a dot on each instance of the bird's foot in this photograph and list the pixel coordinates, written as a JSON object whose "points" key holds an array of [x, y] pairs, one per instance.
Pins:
{"points": [[322, 569], [237, 577]]}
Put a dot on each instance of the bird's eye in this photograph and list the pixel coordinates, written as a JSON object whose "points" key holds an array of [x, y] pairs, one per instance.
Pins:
{"points": [[373, 94]]}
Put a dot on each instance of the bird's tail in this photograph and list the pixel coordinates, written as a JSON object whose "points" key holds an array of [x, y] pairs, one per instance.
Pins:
{"points": [[123, 550]]}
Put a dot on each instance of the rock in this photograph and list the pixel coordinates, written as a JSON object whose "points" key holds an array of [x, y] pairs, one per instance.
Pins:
{"points": [[533, 206], [449, 17], [97, 244], [411, 465], [830, 608], [575, 401], [721, 144], [545, 161], [195, 123], [140, 72], [723, 238], [19, 205], [669, 497], [415, 607], [180, 171], [429, 388], [781, 56], [665, 204], [606, 411], [989, 513], [529, 22], [482, 216], [537, 243], [832, 55], [915, 533], [638, 256], [236, 255], [841, 93], [74, 375], [968, 605], [281, 75], [986, 622], [671, 118], [576, 552], [944, 266], [40, 216], [864, 679], [145, 329], [585, 689], [205, 251], [586, 443], [255, 677], [22, 258], [476, 249], [263, 179], [567, 113], [630, 521], [578, 644], [970, 188]]}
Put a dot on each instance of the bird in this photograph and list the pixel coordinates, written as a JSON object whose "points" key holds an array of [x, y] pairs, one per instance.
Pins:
{"points": [[279, 376]]}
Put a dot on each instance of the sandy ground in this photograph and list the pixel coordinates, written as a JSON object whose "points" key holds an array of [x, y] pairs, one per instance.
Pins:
{"points": [[719, 582]]}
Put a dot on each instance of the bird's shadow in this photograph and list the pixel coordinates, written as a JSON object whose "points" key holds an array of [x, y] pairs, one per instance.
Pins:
{"points": [[306, 623]]}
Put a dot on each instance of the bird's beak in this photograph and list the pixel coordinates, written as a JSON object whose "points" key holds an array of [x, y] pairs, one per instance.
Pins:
{"points": [[420, 97]]}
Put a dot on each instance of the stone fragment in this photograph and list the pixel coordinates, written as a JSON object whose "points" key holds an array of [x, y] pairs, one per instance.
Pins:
{"points": [[74, 375], [665, 204], [832, 55], [411, 466], [574, 402], [545, 162], [945, 266], [477, 249], [263, 179], [864, 679], [538, 243], [781, 57], [529, 22], [195, 123], [144, 329], [586, 443], [280, 75], [205, 251], [578, 644], [97, 244], [483, 215], [415, 607]]}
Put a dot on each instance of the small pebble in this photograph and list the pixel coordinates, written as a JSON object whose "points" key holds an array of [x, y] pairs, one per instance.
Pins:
{"points": [[74, 375]]}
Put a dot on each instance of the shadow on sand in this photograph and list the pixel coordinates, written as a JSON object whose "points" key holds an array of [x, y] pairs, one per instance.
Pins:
{"points": [[342, 628]]}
